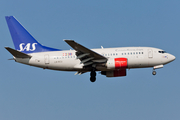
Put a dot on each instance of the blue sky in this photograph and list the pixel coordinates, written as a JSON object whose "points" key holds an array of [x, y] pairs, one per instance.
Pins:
{"points": [[33, 93]]}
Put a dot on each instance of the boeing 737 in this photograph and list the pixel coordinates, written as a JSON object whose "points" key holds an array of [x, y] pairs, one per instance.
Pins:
{"points": [[111, 62]]}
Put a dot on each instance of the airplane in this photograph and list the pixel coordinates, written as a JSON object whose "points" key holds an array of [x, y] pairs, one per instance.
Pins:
{"points": [[111, 62]]}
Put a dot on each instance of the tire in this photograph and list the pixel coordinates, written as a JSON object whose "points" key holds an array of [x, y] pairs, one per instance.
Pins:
{"points": [[154, 72], [92, 79]]}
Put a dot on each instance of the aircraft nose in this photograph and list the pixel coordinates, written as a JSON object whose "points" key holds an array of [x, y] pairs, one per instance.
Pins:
{"points": [[172, 57]]}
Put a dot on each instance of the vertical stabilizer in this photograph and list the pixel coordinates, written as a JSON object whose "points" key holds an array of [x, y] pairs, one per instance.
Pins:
{"points": [[23, 40]]}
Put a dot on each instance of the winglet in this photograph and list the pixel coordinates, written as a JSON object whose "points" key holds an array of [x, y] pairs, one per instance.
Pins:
{"points": [[17, 54]]}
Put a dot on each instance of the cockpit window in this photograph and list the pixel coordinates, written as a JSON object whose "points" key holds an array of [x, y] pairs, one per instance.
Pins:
{"points": [[162, 51]]}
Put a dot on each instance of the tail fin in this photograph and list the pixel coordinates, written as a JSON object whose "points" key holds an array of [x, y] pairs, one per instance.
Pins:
{"points": [[23, 40]]}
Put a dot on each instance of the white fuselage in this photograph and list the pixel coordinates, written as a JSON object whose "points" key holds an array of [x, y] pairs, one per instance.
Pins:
{"points": [[138, 57]]}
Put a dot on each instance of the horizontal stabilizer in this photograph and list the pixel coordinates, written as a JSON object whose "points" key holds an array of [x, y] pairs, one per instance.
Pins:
{"points": [[17, 54]]}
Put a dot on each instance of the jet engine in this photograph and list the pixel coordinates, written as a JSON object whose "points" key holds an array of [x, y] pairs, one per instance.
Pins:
{"points": [[117, 67], [116, 63]]}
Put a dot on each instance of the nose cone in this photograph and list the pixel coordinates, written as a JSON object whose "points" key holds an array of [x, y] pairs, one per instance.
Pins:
{"points": [[172, 58]]}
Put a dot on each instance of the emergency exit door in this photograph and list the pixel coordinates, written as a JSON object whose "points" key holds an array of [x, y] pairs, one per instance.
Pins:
{"points": [[150, 53]]}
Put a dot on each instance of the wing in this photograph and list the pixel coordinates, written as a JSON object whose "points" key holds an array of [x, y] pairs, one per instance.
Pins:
{"points": [[87, 56]]}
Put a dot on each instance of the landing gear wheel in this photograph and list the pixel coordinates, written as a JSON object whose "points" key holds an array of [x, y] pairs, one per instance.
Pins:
{"points": [[93, 76], [154, 72], [93, 79]]}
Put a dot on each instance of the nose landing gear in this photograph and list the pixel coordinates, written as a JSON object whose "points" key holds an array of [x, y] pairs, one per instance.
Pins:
{"points": [[156, 67], [154, 72]]}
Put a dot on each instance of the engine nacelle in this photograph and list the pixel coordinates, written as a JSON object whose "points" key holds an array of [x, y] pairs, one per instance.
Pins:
{"points": [[116, 63], [115, 73]]}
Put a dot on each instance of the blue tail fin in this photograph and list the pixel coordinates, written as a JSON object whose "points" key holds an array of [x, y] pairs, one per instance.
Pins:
{"points": [[23, 40]]}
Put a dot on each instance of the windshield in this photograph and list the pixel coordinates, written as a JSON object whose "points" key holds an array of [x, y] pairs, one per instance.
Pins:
{"points": [[162, 51]]}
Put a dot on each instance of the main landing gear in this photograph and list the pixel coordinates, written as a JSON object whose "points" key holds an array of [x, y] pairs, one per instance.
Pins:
{"points": [[93, 75]]}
